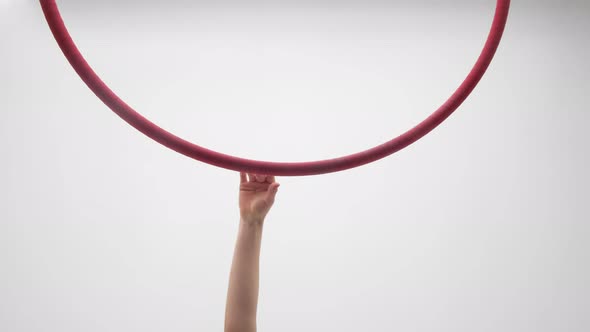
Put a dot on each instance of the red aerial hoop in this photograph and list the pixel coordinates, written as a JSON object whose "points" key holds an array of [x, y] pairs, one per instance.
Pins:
{"points": [[197, 152]]}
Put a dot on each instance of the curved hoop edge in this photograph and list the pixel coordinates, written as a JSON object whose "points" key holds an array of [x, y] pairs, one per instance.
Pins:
{"points": [[150, 129]]}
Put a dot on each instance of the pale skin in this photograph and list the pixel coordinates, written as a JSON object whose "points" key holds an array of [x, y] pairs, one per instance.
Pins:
{"points": [[257, 196]]}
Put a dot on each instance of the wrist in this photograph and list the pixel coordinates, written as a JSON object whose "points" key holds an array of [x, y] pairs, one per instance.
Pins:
{"points": [[251, 222]]}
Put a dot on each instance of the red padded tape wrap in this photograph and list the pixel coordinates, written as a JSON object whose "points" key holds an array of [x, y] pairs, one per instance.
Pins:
{"points": [[264, 167]]}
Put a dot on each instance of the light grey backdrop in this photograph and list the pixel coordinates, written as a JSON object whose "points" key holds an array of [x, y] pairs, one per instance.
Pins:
{"points": [[480, 226]]}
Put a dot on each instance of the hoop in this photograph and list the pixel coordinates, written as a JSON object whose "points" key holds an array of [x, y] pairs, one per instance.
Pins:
{"points": [[211, 157]]}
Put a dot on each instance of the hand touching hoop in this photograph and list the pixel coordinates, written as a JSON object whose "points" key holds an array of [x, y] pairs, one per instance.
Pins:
{"points": [[257, 195]]}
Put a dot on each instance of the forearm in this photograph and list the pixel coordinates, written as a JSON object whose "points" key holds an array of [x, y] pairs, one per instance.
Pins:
{"points": [[242, 296]]}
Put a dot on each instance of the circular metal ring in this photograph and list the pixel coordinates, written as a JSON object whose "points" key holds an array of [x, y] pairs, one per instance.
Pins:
{"points": [[197, 152]]}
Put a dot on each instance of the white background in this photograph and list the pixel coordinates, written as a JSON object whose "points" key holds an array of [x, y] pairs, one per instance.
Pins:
{"points": [[483, 225]]}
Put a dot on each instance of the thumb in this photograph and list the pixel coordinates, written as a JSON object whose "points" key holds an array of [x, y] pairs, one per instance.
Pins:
{"points": [[272, 192]]}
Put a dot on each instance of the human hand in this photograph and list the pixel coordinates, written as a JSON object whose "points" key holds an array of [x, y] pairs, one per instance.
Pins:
{"points": [[257, 195]]}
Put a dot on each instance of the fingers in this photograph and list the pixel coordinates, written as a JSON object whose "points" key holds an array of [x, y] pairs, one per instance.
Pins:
{"points": [[260, 178], [243, 178]]}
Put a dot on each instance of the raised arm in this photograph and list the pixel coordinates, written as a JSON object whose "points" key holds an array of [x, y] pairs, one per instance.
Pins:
{"points": [[257, 195]]}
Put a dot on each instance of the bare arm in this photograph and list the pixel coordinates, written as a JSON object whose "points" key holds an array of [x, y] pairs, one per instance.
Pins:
{"points": [[257, 194]]}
